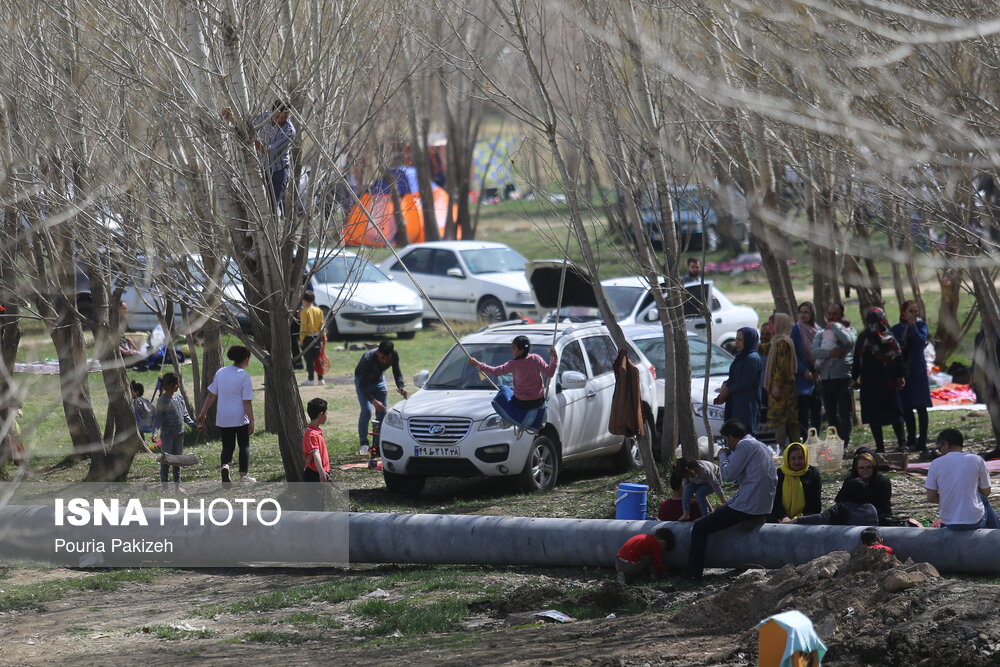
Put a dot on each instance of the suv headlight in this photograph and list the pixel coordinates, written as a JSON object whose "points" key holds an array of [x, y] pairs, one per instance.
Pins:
{"points": [[492, 422], [394, 419], [714, 411], [354, 304], [525, 296]]}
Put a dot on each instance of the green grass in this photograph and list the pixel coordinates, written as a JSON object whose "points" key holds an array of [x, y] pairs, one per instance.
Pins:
{"points": [[34, 596], [171, 633], [409, 618], [329, 592], [307, 619]]}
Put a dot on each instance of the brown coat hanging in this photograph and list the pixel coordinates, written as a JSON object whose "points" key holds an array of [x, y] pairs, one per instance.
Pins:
{"points": [[626, 404]]}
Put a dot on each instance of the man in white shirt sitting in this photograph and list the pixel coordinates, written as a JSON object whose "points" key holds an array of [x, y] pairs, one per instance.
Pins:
{"points": [[959, 482]]}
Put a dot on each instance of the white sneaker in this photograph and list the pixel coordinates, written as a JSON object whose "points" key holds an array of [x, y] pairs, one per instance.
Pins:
{"points": [[306, 383], [363, 450], [247, 479], [321, 381]]}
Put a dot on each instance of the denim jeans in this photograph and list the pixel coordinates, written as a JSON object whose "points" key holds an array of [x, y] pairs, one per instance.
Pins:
{"points": [[366, 392], [276, 183], [701, 492], [989, 519]]}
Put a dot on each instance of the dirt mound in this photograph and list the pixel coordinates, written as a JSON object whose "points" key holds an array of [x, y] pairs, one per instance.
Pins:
{"points": [[607, 596], [867, 607]]}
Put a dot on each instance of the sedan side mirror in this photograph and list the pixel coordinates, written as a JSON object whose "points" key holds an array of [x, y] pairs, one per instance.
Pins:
{"points": [[420, 379], [651, 315], [573, 380], [455, 272]]}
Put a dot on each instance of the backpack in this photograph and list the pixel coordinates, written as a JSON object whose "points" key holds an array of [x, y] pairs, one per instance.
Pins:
{"points": [[144, 415]]}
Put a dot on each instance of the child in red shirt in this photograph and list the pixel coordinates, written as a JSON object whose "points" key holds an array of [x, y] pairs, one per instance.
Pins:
{"points": [[314, 446], [871, 538], [640, 555]]}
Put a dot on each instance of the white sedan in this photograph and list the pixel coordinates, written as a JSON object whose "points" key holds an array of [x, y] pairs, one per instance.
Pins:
{"points": [[362, 299], [466, 280], [649, 340]]}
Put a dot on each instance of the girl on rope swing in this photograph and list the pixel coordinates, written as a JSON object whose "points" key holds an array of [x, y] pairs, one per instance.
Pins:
{"points": [[524, 406]]}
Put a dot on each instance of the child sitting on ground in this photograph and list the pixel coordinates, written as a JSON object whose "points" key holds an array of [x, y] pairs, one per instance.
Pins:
{"points": [[641, 555], [871, 538], [522, 406], [171, 415]]}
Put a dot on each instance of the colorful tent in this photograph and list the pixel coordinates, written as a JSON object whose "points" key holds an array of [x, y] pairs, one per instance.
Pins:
{"points": [[358, 230]]}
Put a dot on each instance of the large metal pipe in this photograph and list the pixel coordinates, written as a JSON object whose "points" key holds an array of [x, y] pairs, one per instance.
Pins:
{"points": [[495, 540]]}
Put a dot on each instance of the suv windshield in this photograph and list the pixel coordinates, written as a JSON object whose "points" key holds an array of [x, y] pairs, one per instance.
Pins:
{"points": [[654, 350], [341, 270], [492, 260], [454, 371]]}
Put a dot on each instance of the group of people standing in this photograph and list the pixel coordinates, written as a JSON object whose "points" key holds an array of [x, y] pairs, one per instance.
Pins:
{"points": [[797, 369]]}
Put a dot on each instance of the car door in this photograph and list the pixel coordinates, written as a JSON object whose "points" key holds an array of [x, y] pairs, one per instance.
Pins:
{"points": [[452, 293], [419, 262], [571, 404], [601, 352]]}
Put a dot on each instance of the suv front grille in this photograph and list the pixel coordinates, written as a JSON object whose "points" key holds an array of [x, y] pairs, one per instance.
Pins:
{"points": [[438, 430]]}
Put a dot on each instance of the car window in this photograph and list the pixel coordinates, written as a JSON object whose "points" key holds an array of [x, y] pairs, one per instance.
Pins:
{"points": [[655, 351], [417, 261], [443, 260], [454, 371], [571, 359], [623, 298], [601, 353], [699, 351], [340, 270], [492, 260]]}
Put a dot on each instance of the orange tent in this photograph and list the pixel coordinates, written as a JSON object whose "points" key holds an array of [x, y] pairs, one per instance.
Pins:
{"points": [[359, 230]]}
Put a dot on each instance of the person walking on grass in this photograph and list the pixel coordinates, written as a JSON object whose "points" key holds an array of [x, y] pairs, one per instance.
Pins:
{"points": [[312, 336], [369, 383], [878, 371], [171, 415], [232, 389], [779, 381]]}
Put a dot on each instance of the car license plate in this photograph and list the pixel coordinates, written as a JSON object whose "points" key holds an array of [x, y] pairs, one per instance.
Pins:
{"points": [[387, 329], [453, 452]]}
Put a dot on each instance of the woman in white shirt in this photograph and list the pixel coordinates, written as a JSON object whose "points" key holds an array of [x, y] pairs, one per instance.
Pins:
{"points": [[233, 391]]}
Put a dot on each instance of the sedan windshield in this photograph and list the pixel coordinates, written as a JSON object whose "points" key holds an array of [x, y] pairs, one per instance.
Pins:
{"points": [[493, 260], [454, 371], [654, 350], [342, 270]]}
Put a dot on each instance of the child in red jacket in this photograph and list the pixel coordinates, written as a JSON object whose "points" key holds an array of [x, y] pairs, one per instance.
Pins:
{"points": [[640, 556]]}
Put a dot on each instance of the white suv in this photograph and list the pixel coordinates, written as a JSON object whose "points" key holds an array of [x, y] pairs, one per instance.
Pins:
{"points": [[450, 429]]}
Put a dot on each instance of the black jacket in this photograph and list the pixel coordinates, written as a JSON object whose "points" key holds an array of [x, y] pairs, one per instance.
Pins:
{"points": [[812, 485]]}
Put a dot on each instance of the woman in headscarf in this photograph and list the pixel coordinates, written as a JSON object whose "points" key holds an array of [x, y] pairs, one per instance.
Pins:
{"points": [[810, 403], [741, 392], [878, 486], [779, 381], [878, 371], [799, 485], [911, 332]]}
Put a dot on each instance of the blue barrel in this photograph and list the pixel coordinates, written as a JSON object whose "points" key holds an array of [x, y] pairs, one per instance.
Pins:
{"points": [[630, 503]]}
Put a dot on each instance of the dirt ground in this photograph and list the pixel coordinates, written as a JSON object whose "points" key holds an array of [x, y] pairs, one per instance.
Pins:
{"points": [[934, 621]]}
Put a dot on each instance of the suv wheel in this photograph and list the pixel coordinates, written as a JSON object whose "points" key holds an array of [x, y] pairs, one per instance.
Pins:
{"points": [[541, 470], [490, 310], [629, 457], [404, 485]]}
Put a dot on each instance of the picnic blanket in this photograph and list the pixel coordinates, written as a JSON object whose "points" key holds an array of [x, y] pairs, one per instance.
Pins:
{"points": [[953, 394]]}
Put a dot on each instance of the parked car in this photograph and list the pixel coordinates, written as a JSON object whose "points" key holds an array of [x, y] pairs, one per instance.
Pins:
{"points": [[632, 301], [449, 428], [649, 340], [363, 299], [697, 210], [466, 280]]}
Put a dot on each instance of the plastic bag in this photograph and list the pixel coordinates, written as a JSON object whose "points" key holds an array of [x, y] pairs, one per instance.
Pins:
{"points": [[322, 363]]}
